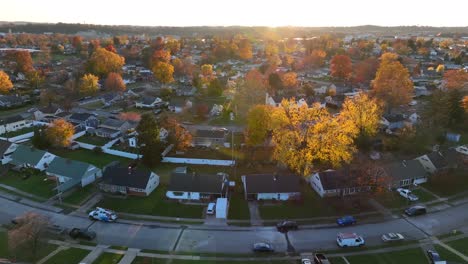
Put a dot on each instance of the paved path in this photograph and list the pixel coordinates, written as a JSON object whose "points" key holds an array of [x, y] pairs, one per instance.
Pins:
{"points": [[51, 254], [255, 218], [94, 254], [451, 249], [129, 256], [90, 203]]}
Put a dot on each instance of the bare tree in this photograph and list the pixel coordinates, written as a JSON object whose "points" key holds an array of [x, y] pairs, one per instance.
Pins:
{"points": [[27, 232]]}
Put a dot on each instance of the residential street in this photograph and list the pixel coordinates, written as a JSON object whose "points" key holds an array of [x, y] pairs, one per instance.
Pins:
{"points": [[239, 239]]}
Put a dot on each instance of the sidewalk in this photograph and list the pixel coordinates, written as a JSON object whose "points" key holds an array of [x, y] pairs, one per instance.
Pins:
{"points": [[387, 213], [53, 253], [25, 194], [25, 201], [129, 256], [90, 203], [451, 249], [94, 254]]}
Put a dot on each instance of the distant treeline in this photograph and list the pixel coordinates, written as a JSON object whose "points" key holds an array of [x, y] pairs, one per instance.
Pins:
{"points": [[228, 31]]}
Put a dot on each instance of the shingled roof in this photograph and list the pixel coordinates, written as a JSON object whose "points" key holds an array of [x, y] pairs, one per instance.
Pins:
{"points": [[272, 183]]}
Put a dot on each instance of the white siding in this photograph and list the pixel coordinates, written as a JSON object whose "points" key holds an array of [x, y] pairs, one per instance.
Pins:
{"points": [[316, 184], [426, 163], [273, 196], [153, 182]]}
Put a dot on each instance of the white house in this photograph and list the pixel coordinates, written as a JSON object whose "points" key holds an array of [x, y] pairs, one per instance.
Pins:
{"points": [[149, 102], [6, 149], [29, 157], [279, 187], [335, 183], [129, 181], [433, 162], [70, 173], [13, 123]]}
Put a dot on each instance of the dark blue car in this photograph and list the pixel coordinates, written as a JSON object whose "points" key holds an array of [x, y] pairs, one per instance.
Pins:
{"points": [[346, 220]]}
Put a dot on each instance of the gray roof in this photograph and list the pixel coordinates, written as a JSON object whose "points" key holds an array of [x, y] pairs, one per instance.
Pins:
{"points": [[80, 116], [68, 168], [11, 119], [115, 123], [438, 160], [49, 109], [26, 155], [333, 180], [272, 183], [124, 176], [409, 169], [4, 145], [194, 182], [210, 133]]}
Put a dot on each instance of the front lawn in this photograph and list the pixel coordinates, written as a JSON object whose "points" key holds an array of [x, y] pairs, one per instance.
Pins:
{"points": [[238, 207], [447, 255], [452, 183], [94, 105], [71, 255], [3, 244], [461, 245], [220, 153], [79, 195], [18, 132], [93, 140], [337, 261], [97, 159], [43, 250], [35, 184], [409, 256], [155, 204], [108, 258]]}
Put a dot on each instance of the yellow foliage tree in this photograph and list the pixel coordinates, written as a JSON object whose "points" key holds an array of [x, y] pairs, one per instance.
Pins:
{"points": [[289, 79], [305, 136], [89, 84], [163, 71], [245, 49], [60, 133], [102, 62], [5, 83], [364, 112], [465, 103], [258, 124]]}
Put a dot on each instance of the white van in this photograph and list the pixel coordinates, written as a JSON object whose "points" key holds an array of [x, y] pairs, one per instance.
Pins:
{"points": [[211, 208], [349, 240]]}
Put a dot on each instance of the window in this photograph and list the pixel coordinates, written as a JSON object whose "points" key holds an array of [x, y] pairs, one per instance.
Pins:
{"points": [[177, 193]]}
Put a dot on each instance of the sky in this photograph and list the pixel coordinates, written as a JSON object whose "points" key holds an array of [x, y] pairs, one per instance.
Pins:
{"points": [[240, 12]]}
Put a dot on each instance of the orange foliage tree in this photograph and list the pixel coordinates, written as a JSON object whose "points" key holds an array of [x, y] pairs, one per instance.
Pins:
{"points": [[60, 133], [161, 55], [163, 71], [114, 82], [455, 79], [289, 79], [245, 49], [178, 135], [130, 116], [24, 63], [5, 83], [102, 62], [341, 67]]}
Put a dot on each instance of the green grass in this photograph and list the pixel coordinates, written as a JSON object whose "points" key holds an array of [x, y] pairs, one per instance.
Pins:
{"points": [[447, 255], [409, 256], [18, 132], [155, 204], [423, 195], [34, 184], [238, 207], [97, 159], [43, 250], [119, 247], [93, 105], [460, 245], [93, 140], [108, 258], [14, 110], [3, 244], [80, 194], [71, 255], [455, 182], [146, 260], [337, 261]]}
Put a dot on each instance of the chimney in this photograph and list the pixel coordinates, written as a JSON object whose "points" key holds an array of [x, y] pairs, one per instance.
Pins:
{"points": [[404, 163]]}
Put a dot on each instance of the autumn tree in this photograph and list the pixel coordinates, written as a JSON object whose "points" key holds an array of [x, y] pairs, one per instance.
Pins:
{"points": [[250, 91], [35, 78], [163, 72], [111, 48], [364, 112], [178, 65], [215, 88], [275, 81], [465, 103], [77, 43], [60, 133], [178, 135], [306, 136], [392, 83], [149, 141], [341, 67], [160, 56], [245, 49], [316, 58], [114, 82], [173, 46], [24, 238], [102, 62], [207, 72], [24, 63], [258, 124], [289, 79], [455, 79], [129, 116], [5, 83], [202, 110], [364, 71], [89, 84]]}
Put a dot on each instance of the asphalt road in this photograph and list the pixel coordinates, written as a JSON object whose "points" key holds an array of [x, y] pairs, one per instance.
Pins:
{"points": [[239, 240]]}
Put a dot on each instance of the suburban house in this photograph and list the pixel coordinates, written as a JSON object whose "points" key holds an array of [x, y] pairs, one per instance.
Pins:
{"points": [[47, 113], [7, 101], [186, 185], [177, 105], [71, 173], [405, 173], [29, 157], [433, 162], [6, 149], [129, 181], [208, 138], [84, 120], [336, 183], [281, 187], [13, 123], [112, 128], [149, 102]]}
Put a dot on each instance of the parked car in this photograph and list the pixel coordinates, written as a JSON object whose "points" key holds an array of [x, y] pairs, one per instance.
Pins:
{"points": [[415, 210], [262, 247], [407, 194], [320, 258], [211, 208], [285, 226], [391, 237], [82, 233], [346, 220], [349, 240], [434, 257], [306, 261], [102, 214]]}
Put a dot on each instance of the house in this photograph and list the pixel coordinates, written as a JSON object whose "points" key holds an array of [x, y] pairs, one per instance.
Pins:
{"points": [[84, 120], [149, 102], [405, 173], [177, 105], [29, 157], [7, 101], [393, 122], [71, 173], [6, 149], [47, 113], [186, 91], [13, 123], [187, 185], [433, 162], [129, 181], [208, 138], [112, 128], [281, 187], [336, 183], [110, 98]]}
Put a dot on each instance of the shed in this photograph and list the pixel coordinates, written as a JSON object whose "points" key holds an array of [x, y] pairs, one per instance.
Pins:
{"points": [[221, 208]]}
